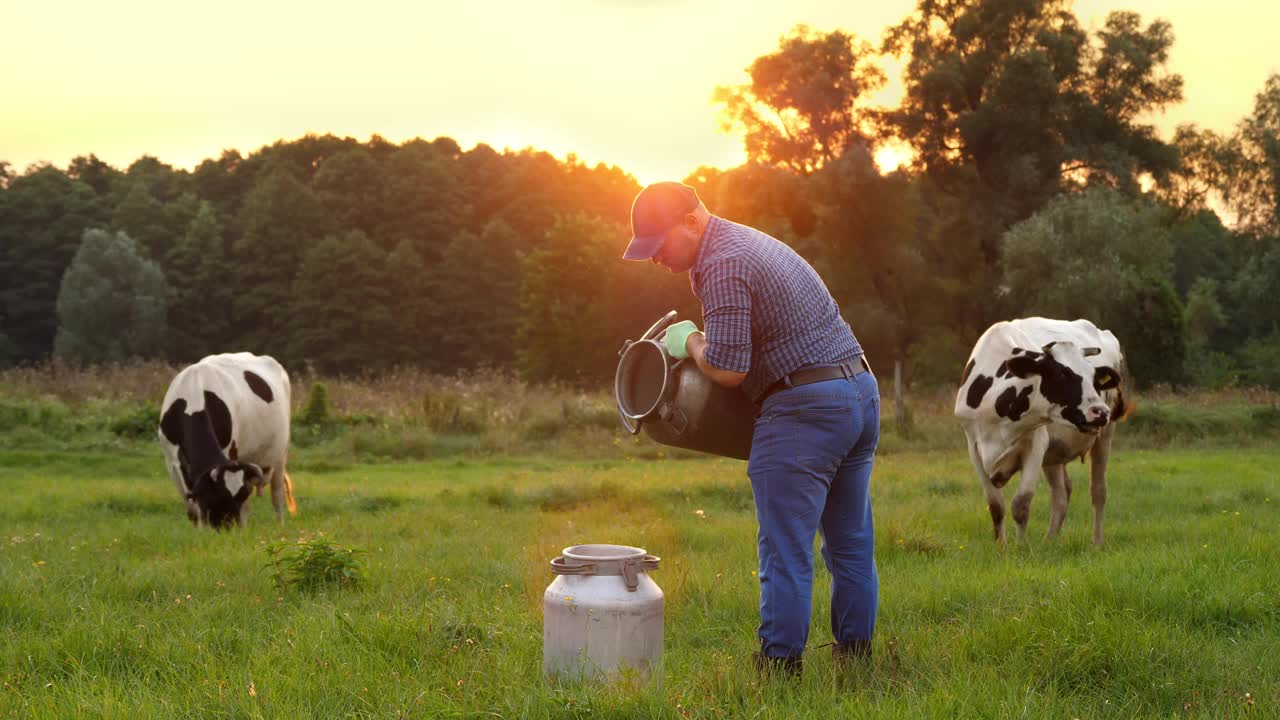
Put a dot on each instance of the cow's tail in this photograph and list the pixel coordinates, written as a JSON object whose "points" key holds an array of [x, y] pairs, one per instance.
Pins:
{"points": [[288, 493], [1127, 403]]}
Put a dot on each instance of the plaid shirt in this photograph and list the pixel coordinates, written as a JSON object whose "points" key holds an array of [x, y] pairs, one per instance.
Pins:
{"points": [[766, 311]]}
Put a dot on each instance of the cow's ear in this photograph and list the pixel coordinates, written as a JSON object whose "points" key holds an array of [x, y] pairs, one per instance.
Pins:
{"points": [[1022, 366], [1105, 378]]}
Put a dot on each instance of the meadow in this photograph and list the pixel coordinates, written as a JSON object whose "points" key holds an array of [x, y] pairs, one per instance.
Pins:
{"points": [[457, 492]]}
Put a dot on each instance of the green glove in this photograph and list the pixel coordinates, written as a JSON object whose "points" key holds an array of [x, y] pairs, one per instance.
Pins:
{"points": [[678, 337]]}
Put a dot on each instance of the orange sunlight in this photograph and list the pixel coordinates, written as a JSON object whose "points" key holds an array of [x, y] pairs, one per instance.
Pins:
{"points": [[613, 81]]}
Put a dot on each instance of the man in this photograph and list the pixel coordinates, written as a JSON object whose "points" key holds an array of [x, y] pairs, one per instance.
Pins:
{"points": [[773, 329]]}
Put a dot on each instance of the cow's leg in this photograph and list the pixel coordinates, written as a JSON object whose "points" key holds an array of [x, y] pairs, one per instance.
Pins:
{"points": [[174, 467], [1059, 494], [1098, 477], [995, 499], [995, 503], [1030, 474]]}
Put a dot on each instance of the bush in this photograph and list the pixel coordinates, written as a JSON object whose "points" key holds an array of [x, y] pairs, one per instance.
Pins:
{"points": [[1261, 360], [50, 418], [1160, 424], [314, 565], [1208, 368], [138, 423], [935, 361], [316, 411], [1265, 419]]}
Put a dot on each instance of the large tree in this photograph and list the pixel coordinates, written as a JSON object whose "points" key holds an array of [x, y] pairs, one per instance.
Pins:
{"points": [[805, 103], [579, 300], [282, 220], [416, 336], [350, 187], [565, 317], [1101, 256], [93, 172], [478, 293], [43, 214], [1009, 102], [199, 267], [340, 317], [866, 251], [1254, 189], [423, 198], [142, 217], [112, 302], [1241, 170]]}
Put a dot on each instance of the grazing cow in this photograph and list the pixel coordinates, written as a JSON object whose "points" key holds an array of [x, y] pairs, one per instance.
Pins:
{"points": [[1040, 393], [225, 430]]}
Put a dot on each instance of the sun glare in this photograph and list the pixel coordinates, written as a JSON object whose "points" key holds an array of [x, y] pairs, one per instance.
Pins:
{"points": [[891, 157]]}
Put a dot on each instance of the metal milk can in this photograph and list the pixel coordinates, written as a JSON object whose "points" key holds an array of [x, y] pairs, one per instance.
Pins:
{"points": [[675, 403], [602, 614]]}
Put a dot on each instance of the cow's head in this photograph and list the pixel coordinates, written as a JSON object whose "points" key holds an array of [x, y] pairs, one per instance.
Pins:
{"points": [[1070, 386], [216, 497]]}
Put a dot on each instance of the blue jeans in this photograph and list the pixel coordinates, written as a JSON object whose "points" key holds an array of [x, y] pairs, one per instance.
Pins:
{"points": [[810, 471]]}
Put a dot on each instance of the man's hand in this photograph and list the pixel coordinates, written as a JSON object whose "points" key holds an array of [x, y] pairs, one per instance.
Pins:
{"points": [[677, 339]]}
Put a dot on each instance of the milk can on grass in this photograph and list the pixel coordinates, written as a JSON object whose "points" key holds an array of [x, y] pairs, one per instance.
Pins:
{"points": [[602, 615]]}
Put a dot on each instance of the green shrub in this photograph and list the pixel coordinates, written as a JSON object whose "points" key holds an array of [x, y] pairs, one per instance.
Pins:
{"points": [[1261, 360], [314, 565], [1161, 424], [1265, 419], [137, 423], [316, 411], [1208, 368], [50, 418], [581, 413]]}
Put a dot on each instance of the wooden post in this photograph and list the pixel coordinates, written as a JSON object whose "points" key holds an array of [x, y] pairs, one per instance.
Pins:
{"points": [[900, 410]]}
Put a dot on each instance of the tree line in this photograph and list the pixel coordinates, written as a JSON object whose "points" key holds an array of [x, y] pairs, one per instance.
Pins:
{"points": [[1037, 186]]}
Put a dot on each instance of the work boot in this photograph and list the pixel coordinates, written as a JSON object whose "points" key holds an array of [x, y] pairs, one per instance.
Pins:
{"points": [[843, 653], [850, 662], [783, 667]]}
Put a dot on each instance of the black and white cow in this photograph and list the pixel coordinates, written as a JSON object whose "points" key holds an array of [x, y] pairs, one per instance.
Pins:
{"points": [[225, 431], [1040, 393]]}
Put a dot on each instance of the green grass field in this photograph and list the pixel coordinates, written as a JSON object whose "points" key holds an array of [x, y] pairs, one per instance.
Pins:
{"points": [[112, 605]]}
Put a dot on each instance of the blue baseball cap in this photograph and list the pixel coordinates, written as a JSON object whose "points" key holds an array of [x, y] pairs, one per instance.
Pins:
{"points": [[656, 209]]}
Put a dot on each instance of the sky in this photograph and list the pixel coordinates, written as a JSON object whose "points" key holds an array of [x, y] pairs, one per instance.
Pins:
{"points": [[624, 82]]}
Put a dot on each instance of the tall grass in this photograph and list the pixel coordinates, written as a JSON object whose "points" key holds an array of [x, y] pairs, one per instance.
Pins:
{"points": [[406, 414]]}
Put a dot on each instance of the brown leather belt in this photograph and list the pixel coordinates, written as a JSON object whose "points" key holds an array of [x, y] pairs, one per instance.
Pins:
{"points": [[806, 376]]}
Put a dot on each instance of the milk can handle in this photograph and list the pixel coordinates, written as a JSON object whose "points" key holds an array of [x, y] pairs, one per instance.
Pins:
{"points": [[631, 569], [659, 326], [558, 567]]}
